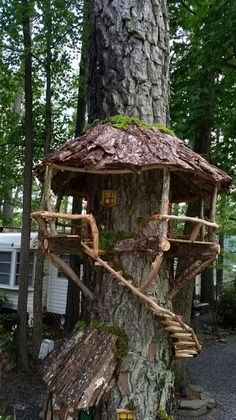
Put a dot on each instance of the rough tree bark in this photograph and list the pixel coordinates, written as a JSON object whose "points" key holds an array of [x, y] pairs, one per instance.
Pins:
{"points": [[129, 59], [128, 74], [22, 351]]}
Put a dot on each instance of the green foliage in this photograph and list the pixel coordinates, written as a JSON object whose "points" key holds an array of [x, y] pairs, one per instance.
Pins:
{"points": [[203, 81], [3, 298], [108, 238], [162, 415], [123, 122], [227, 305], [56, 29]]}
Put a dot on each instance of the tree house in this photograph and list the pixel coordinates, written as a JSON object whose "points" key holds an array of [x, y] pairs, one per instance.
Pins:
{"points": [[133, 177]]}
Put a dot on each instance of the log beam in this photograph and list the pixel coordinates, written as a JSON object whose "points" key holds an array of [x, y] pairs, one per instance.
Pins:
{"points": [[155, 267], [69, 273], [160, 217], [188, 274]]}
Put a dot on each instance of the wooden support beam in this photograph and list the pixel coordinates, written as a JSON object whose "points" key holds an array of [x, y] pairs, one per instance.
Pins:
{"points": [[46, 204], [197, 249], [195, 232], [212, 214], [60, 245], [69, 273], [155, 267], [188, 274], [202, 216]]}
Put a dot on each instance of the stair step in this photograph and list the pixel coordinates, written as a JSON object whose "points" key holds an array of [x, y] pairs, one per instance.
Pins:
{"points": [[182, 344], [170, 322], [175, 329], [180, 354], [181, 335]]}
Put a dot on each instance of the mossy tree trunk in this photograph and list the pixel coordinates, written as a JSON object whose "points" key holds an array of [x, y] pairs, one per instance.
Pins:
{"points": [[128, 74], [145, 378]]}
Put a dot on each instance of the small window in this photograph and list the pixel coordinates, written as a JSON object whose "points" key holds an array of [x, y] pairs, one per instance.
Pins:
{"points": [[31, 269], [66, 259], [5, 267]]}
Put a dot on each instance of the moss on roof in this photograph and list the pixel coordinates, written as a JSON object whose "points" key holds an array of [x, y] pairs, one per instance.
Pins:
{"points": [[123, 122]]}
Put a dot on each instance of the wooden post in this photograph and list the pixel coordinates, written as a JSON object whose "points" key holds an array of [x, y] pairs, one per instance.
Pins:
{"points": [[155, 267], [203, 228], [212, 214], [165, 201], [46, 205], [195, 232]]}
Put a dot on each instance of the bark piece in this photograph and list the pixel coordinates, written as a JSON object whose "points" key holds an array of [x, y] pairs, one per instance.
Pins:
{"points": [[79, 370]]}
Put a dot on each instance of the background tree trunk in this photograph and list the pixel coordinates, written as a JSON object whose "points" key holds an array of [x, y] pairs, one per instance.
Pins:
{"points": [[22, 351], [128, 74], [73, 292], [39, 269], [201, 144]]}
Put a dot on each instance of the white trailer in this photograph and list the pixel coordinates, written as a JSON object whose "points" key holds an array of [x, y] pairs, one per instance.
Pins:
{"points": [[54, 282]]}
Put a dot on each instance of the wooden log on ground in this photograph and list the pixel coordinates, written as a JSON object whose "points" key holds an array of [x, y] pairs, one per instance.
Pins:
{"points": [[79, 370]]}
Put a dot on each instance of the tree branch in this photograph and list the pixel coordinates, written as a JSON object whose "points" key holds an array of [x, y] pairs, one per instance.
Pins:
{"points": [[187, 7]]}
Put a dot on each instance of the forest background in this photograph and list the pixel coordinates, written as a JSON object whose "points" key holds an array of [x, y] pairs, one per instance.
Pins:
{"points": [[42, 85]]}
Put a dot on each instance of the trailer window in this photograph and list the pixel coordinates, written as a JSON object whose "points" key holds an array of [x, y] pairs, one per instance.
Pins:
{"points": [[66, 259], [31, 269], [5, 267]]}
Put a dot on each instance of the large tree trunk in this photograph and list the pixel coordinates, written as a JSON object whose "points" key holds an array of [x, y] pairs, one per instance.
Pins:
{"points": [[128, 74], [145, 378], [129, 59], [22, 351]]}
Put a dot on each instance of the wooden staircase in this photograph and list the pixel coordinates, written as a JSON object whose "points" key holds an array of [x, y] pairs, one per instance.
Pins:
{"points": [[184, 340]]}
